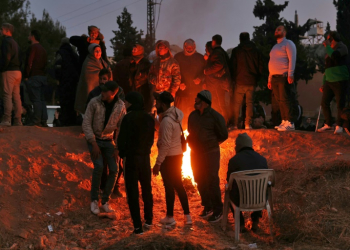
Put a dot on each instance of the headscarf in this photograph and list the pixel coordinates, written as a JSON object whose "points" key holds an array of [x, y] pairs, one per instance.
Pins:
{"points": [[92, 47], [189, 42]]}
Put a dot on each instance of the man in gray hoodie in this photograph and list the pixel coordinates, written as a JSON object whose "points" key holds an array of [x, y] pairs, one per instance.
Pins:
{"points": [[169, 158]]}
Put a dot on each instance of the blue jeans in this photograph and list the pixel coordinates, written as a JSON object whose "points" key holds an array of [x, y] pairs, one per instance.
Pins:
{"points": [[107, 150], [35, 88]]}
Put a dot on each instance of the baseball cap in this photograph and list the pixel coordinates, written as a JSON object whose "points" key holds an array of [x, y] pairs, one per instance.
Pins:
{"points": [[110, 85]]}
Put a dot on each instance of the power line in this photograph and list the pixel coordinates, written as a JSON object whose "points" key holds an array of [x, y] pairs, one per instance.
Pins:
{"points": [[76, 10], [158, 15], [103, 15], [90, 11]]}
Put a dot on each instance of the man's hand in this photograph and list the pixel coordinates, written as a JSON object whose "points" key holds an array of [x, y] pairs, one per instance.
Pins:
{"points": [[95, 152], [290, 79], [269, 85], [321, 89], [116, 154], [182, 86], [197, 81], [156, 169]]}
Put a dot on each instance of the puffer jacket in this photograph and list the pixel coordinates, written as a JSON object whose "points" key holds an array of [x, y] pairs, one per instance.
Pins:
{"points": [[169, 136], [94, 118], [165, 72], [206, 131]]}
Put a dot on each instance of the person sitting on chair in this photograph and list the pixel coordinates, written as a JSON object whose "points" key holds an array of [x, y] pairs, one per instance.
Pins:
{"points": [[245, 159]]}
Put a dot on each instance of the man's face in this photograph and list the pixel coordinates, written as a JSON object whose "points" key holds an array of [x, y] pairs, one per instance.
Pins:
{"points": [[103, 79], [162, 49], [198, 103], [159, 107], [107, 96], [135, 51], [332, 41], [308, 120], [280, 32], [190, 48], [93, 34], [97, 52], [4, 32]]}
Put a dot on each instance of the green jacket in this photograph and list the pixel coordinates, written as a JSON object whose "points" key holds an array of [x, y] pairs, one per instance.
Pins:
{"points": [[336, 68]]}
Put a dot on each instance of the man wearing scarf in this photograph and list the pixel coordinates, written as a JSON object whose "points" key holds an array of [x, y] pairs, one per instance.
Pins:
{"points": [[138, 75], [164, 74], [192, 66]]}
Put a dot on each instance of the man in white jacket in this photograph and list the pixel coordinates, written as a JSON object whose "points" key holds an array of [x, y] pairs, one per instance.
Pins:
{"points": [[169, 158]]}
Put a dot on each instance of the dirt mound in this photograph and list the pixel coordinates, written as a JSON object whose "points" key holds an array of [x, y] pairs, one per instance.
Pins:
{"points": [[45, 180]]}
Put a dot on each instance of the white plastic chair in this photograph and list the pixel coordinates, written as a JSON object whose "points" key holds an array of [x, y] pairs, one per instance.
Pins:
{"points": [[255, 194]]}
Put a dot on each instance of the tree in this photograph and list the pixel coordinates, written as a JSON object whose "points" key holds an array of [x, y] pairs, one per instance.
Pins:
{"points": [[126, 36], [263, 36], [343, 19]]}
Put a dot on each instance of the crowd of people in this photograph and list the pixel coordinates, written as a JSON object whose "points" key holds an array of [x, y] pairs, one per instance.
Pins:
{"points": [[124, 106]]}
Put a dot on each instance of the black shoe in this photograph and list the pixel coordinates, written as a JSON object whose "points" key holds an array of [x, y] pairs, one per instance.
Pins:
{"points": [[44, 124], [215, 217], [138, 231], [206, 213]]}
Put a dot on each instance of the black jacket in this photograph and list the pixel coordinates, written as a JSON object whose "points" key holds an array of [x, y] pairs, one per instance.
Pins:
{"points": [[217, 70], [10, 55], [206, 131], [139, 73], [246, 64], [82, 46], [191, 67], [67, 65], [136, 134], [245, 159]]}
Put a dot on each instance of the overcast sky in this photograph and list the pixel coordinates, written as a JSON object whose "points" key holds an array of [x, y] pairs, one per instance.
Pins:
{"points": [[179, 19]]}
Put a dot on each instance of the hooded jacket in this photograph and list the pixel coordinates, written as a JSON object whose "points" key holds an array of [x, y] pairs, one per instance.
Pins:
{"points": [[169, 136], [164, 73], [217, 70], [336, 60], [191, 67], [246, 64], [94, 119], [136, 135], [206, 131]]}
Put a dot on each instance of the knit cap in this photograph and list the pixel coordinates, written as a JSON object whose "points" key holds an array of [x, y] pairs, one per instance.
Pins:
{"points": [[205, 96], [243, 141]]}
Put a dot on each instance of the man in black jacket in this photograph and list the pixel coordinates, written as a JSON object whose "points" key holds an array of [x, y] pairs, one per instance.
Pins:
{"points": [[11, 76], [217, 75], [245, 159], [135, 141], [246, 68], [207, 129]]}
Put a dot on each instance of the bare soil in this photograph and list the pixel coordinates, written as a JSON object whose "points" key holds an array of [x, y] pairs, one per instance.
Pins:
{"points": [[44, 171]]}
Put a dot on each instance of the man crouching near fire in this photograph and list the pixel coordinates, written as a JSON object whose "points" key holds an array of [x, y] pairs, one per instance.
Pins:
{"points": [[101, 126], [207, 129]]}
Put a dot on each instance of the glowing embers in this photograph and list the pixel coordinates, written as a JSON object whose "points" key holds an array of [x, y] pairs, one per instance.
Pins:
{"points": [[186, 164]]}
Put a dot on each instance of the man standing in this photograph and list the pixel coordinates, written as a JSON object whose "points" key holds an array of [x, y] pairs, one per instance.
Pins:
{"points": [[135, 141], [35, 75], [207, 129], [11, 76], [101, 126], [169, 159], [281, 78], [164, 74], [247, 66], [335, 81], [217, 75], [191, 67], [245, 159]]}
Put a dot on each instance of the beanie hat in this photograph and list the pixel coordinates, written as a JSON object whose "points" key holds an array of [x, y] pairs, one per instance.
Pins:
{"points": [[92, 47], [93, 28], [243, 141], [205, 96]]}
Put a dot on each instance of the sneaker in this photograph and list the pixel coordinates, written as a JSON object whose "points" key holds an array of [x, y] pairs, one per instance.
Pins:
{"points": [[5, 124], [138, 231], [287, 126], [215, 217], [206, 213], [188, 219], [148, 224], [324, 128], [94, 207], [279, 126], [107, 208], [169, 221], [338, 130], [248, 127]]}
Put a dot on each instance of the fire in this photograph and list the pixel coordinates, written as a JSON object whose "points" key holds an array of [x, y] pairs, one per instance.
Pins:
{"points": [[186, 164]]}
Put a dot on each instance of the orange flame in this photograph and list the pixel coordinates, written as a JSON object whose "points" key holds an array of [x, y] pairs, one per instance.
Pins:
{"points": [[186, 164]]}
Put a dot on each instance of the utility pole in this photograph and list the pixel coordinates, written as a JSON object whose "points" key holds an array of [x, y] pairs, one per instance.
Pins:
{"points": [[151, 31]]}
